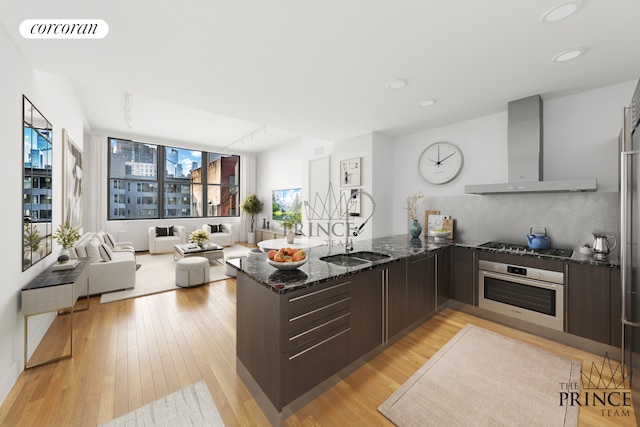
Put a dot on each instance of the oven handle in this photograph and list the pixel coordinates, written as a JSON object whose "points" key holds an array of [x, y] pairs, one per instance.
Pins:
{"points": [[520, 280]]}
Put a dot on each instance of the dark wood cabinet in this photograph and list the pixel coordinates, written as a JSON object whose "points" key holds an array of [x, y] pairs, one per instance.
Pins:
{"points": [[396, 316], [443, 275], [462, 274], [616, 310], [589, 301], [367, 298], [421, 286]]}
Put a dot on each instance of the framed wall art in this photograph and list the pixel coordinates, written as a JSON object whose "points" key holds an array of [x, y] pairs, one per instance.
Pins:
{"points": [[72, 192], [350, 172], [350, 202]]}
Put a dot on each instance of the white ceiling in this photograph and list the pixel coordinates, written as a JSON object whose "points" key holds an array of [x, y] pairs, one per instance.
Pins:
{"points": [[217, 71]]}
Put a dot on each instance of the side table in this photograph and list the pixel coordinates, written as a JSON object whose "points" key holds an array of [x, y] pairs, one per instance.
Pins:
{"points": [[52, 291]]}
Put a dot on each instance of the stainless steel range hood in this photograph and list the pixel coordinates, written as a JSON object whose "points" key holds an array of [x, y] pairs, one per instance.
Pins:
{"points": [[524, 145]]}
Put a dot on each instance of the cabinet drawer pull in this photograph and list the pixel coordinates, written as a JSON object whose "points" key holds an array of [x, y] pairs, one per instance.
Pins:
{"points": [[318, 344], [317, 292], [293, 319], [315, 328]]}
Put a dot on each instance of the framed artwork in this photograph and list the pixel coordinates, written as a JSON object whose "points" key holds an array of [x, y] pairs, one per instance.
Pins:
{"points": [[350, 173], [350, 201], [71, 182]]}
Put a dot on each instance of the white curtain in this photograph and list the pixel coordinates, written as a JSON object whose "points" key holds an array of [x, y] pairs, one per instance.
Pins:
{"points": [[95, 190], [248, 186]]}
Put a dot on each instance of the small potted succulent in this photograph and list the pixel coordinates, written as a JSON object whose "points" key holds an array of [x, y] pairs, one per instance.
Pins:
{"points": [[199, 237]]}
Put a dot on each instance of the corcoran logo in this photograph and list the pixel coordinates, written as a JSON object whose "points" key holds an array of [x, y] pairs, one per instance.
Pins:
{"points": [[64, 29], [605, 386]]}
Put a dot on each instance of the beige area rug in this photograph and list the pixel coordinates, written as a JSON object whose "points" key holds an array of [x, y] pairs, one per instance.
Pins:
{"points": [[480, 378], [191, 406], [157, 274]]}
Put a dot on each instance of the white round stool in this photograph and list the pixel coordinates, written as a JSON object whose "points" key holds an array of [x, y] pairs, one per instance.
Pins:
{"points": [[192, 271]]}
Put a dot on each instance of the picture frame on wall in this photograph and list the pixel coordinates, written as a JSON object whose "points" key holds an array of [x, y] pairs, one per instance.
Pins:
{"points": [[72, 188], [350, 172]]}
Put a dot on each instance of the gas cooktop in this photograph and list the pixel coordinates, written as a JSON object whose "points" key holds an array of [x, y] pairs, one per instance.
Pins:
{"points": [[525, 250]]}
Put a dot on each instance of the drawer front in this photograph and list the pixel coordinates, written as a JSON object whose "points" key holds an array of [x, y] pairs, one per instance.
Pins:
{"points": [[309, 328], [43, 300], [300, 301]]}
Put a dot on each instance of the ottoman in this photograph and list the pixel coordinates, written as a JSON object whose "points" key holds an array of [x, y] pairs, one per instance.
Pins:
{"points": [[192, 271]]}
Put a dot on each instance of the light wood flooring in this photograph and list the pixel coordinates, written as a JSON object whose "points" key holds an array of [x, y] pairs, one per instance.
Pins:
{"points": [[128, 353]]}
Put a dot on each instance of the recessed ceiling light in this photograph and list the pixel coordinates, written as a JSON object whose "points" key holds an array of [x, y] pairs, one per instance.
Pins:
{"points": [[397, 84], [427, 102], [561, 11], [568, 55]]}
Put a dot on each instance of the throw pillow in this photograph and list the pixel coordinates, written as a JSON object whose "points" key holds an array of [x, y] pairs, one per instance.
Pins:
{"points": [[92, 250], [109, 240], [163, 231], [215, 228], [105, 252]]}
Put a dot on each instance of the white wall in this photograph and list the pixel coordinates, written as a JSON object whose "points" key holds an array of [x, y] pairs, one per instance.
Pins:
{"points": [[56, 100], [580, 141]]}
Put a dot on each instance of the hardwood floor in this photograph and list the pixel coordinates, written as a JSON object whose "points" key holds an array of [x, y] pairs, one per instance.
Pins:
{"points": [[129, 353]]}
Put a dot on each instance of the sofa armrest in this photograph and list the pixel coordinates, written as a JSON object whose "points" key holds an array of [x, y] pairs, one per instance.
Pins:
{"points": [[180, 231]]}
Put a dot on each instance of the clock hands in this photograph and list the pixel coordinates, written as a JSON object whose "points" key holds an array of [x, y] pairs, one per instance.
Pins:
{"points": [[439, 162]]}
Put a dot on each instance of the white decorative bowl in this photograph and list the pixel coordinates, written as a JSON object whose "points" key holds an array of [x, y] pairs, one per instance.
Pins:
{"points": [[287, 265], [439, 236]]}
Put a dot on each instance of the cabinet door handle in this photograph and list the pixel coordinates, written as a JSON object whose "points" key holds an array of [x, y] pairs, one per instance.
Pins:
{"points": [[324, 307], [315, 328], [318, 344], [317, 292]]}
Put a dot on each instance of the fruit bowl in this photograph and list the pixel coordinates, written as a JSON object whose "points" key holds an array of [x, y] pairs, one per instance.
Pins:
{"points": [[292, 265], [439, 235]]}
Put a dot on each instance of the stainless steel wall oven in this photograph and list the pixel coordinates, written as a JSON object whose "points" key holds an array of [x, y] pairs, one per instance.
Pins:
{"points": [[526, 293]]}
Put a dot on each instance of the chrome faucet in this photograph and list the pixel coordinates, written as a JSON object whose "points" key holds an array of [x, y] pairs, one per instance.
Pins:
{"points": [[348, 243]]}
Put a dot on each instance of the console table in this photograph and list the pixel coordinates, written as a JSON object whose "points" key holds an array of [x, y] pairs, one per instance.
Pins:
{"points": [[52, 291], [268, 234]]}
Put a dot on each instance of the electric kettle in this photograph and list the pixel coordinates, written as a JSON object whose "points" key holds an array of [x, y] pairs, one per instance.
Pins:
{"points": [[601, 246]]}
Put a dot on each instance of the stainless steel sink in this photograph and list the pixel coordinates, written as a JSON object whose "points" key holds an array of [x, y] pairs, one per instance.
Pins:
{"points": [[369, 256], [354, 258]]}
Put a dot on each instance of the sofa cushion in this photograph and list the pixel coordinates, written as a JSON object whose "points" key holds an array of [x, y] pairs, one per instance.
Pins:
{"points": [[215, 228], [105, 252], [109, 240], [92, 250], [164, 231]]}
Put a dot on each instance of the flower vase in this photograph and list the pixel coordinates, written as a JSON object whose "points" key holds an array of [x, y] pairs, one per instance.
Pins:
{"points": [[415, 229], [290, 236], [64, 255]]}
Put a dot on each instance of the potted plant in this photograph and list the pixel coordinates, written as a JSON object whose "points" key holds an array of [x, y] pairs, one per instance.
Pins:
{"points": [[252, 206], [199, 237], [289, 223], [66, 236]]}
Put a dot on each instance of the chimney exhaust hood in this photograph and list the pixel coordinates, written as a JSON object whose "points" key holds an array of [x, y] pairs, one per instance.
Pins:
{"points": [[524, 146]]}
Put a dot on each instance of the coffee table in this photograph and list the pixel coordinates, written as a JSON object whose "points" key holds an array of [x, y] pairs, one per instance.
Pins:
{"points": [[211, 251]]}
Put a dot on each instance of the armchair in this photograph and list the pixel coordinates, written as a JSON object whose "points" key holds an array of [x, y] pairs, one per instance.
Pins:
{"points": [[162, 239], [222, 237]]}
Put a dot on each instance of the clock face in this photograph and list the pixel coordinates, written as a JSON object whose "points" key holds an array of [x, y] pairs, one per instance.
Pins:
{"points": [[440, 162]]}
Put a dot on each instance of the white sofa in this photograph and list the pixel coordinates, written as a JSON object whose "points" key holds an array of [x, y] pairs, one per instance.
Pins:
{"points": [[110, 269], [160, 244], [221, 238]]}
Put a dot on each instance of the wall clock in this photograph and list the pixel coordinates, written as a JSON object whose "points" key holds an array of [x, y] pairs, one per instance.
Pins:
{"points": [[440, 162]]}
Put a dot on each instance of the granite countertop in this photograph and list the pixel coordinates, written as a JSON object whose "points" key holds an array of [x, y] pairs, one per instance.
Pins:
{"points": [[316, 271], [399, 247]]}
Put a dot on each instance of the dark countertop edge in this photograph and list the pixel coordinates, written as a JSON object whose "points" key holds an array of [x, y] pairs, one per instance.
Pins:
{"points": [[301, 280]]}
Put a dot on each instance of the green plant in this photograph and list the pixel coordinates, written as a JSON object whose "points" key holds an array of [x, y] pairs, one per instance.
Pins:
{"points": [[32, 238], [251, 206], [66, 235], [199, 236], [289, 222]]}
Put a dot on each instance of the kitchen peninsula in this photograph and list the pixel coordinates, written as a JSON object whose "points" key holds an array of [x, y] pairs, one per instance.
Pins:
{"points": [[300, 330], [296, 329]]}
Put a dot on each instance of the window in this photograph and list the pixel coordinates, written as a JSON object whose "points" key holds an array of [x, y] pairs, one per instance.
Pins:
{"points": [[135, 180]]}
